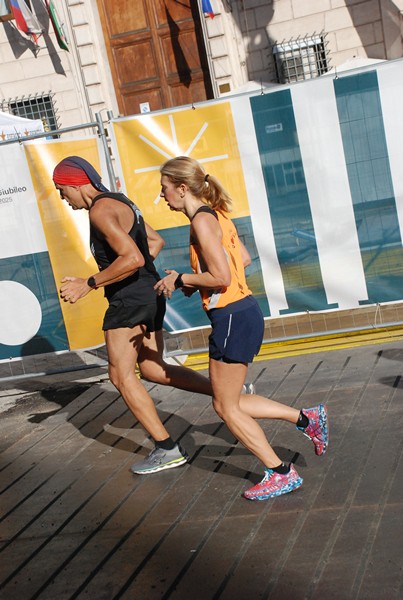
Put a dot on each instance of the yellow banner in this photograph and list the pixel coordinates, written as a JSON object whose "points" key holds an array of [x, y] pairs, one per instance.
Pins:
{"points": [[67, 237], [206, 133]]}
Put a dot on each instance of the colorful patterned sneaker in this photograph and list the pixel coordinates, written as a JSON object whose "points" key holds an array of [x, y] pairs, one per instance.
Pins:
{"points": [[317, 430], [273, 484], [248, 388], [160, 459]]}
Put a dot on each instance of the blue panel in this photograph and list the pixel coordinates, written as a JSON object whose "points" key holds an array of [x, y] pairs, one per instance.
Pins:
{"points": [[365, 150], [288, 201], [182, 312], [34, 271]]}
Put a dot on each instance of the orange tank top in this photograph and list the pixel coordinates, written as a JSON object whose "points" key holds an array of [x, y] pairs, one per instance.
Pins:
{"points": [[238, 288]]}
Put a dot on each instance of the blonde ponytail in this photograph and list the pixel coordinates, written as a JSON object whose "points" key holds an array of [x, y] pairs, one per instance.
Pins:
{"points": [[202, 185]]}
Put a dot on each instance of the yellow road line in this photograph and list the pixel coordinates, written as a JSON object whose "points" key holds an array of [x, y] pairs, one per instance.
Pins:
{"points": [[311, 345]]}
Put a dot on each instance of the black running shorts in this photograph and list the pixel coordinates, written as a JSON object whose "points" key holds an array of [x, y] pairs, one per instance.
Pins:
{"points": [[123, 313]]}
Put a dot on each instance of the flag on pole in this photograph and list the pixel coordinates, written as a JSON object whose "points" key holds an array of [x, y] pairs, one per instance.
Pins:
{"points": [[26, 21], [57, 25], [207, 8]]}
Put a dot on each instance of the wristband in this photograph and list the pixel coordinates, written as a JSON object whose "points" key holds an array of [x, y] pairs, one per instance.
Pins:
{"points": [[92, 283], [178, 281]]}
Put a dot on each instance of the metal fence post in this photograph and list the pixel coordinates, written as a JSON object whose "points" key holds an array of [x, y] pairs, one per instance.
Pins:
{"points": [[109, 166]]}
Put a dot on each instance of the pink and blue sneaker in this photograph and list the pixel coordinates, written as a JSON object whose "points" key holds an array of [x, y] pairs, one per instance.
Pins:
{"points": [[317, 429], [273, 484]]}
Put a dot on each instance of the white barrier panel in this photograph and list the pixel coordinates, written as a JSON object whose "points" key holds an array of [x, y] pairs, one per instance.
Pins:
{"points": [[309, 170], [42, 240]]}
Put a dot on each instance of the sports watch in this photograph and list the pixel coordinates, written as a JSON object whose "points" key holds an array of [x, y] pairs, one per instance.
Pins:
{"points": [[178, 281], [91, 282]]}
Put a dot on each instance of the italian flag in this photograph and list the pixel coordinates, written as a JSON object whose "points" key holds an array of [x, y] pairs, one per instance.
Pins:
{"points": [[57, 26]]}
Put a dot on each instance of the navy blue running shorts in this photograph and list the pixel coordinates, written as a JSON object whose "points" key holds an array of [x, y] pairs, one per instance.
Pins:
{"points": [[123, 313], [237, 331]]}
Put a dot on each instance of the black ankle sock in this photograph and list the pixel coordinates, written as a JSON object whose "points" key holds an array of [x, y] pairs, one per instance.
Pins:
{"points": [[167, 444], [303, 420], [282, 469]]}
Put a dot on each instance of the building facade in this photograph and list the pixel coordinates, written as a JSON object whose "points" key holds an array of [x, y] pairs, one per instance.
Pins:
{"points": [[148, 55], [38, 79], [280, 41]]}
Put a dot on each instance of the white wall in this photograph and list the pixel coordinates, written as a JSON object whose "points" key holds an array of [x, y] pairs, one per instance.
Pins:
{"points": [[80, 78]]}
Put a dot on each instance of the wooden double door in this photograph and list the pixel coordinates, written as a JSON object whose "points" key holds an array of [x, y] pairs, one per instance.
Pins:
{"points": [[156, 53]]}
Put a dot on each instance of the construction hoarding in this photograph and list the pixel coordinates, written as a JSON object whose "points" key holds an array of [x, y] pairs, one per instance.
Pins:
{"points": [[314, 170]]}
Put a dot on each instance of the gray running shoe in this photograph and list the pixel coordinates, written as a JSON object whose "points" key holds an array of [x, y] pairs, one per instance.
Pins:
{"points": [[160, 459], [248, 388]]}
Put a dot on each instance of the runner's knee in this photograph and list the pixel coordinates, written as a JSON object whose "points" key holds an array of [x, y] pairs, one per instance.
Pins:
{"points": [[154, 372], [119, 379]]}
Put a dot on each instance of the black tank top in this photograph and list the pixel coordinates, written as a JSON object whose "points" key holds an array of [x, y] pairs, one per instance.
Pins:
{"points": [[139, 287]]}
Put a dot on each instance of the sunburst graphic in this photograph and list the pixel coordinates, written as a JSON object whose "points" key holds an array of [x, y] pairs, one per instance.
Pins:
{"points": [[178, 150], [145, 142]]}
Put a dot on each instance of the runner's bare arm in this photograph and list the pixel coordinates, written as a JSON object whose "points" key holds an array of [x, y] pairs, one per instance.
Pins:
{"points": [[216, 272], [110, 220], [155, 241]]}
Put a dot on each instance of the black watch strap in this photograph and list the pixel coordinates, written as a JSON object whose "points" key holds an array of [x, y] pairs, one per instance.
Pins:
{"points": [[91, 282], [178, 281]]}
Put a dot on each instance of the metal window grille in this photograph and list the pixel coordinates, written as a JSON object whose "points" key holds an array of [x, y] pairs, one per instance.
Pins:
{"points": [[301, 58], [35, 106]]}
